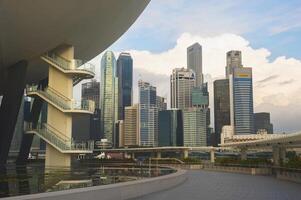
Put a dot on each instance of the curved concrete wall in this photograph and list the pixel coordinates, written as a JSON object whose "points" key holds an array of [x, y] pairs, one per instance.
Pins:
{"points": [[126, 190]]}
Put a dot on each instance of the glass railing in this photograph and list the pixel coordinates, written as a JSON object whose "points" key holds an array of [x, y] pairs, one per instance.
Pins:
{"points": [[58, 139], [74, 64], [61, 100]]}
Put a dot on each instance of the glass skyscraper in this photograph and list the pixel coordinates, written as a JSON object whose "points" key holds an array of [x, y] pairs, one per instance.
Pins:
{"points": [[182, 82], [148, 114], [125, 82], [194, 62], [170, 128], [241, 101], [233, 61], [109, 96], [221, 107]]}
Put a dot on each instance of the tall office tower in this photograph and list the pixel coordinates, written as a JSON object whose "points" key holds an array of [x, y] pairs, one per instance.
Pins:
{"points": [[182, 82], [161, 103], [119, 134], [200, 99], [131, 126], [194, 127], [109, 96], [90, 91], [233, 61], [221, 107], [262, 121], [194, 62], [241, 101], [170, 128], [148, 114], [125, 82], [95, 128]]}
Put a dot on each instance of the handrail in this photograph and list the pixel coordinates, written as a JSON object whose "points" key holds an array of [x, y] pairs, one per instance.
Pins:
{"points": [[61, 100], [58, 139]]}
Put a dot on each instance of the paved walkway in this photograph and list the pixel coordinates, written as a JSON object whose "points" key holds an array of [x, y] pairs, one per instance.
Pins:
{"points": [[206, 185]]}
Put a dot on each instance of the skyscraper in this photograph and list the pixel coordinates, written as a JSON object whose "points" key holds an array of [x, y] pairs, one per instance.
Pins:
{"points": [[90, 91], [221, 107], [194, 62], [233, 61], [182, 82], [161, 103], [241, 101], [148, 114], [170, 128], [125, 82], [109, 94], [194, 127], [131, 125], [262, 121]]}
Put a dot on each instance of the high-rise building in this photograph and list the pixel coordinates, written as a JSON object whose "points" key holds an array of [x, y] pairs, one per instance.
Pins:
{"points": [[90, 91], [119, 134], [233, 61], [131, 126], [109, 96], [161, 103], [148, 114], [200, 99], [125, 82], [241, 101], [262, 121], [194, 62], [221, 107], [182, 82], [170, 128], [194, 127]]}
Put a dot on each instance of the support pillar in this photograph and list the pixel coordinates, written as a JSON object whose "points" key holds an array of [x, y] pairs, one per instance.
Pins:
{"points": [[11, 101], [212, 155], [243, 154], [158, 154], [133, 156], [28, 138], [276, 155], [282, 153]]}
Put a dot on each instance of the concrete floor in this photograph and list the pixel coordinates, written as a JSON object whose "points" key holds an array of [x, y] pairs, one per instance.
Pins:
{"points": [[206, 185]]}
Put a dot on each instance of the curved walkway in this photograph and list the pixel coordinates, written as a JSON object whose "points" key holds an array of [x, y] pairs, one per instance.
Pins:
{"points": [[208, 185]]}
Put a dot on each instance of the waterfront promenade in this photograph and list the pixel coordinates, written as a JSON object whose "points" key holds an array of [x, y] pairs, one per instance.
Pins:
{"points": [[207, 185]]}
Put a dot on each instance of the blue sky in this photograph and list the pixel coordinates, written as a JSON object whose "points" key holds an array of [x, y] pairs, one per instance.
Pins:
{"points": [[272, 24]]}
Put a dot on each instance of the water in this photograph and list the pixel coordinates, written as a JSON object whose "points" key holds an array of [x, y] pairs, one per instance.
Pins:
{"points": [[34, 178]]}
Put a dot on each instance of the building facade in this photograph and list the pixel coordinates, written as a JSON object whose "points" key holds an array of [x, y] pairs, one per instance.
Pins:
{"points": [[194, 127], [221, 107], [194, 62], [170, 128], [90, 91], [233, 61], [161, 103], [125, 82], [182, 82], [131, 126], [148, 114], [241, 101], [262, 121], [109, 96]]}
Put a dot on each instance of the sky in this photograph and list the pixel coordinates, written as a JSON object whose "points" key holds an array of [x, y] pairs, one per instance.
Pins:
{"points": [[266, 31]]}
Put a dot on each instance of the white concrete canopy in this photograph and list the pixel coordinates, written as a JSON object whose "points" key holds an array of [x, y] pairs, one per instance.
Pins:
{"points": [[31, 28]]}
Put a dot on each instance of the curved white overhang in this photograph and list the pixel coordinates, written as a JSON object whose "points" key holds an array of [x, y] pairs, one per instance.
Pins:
{"points": [[31, 28]]}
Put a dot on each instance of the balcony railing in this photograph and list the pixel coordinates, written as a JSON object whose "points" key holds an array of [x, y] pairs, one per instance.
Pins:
{"points": [[74, 64], [58, 139], [62, 101]]}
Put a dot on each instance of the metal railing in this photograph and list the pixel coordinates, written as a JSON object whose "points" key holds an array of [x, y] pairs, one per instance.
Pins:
{"points": [[62, 101], [74, 64], [58, 139]]}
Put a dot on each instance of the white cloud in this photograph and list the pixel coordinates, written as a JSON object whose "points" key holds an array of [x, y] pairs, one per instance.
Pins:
{"points": [[277, 83], [283, 90]]}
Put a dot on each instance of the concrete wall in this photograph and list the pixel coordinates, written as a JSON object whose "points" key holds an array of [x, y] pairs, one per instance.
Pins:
{"points": [[126, 190]]}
